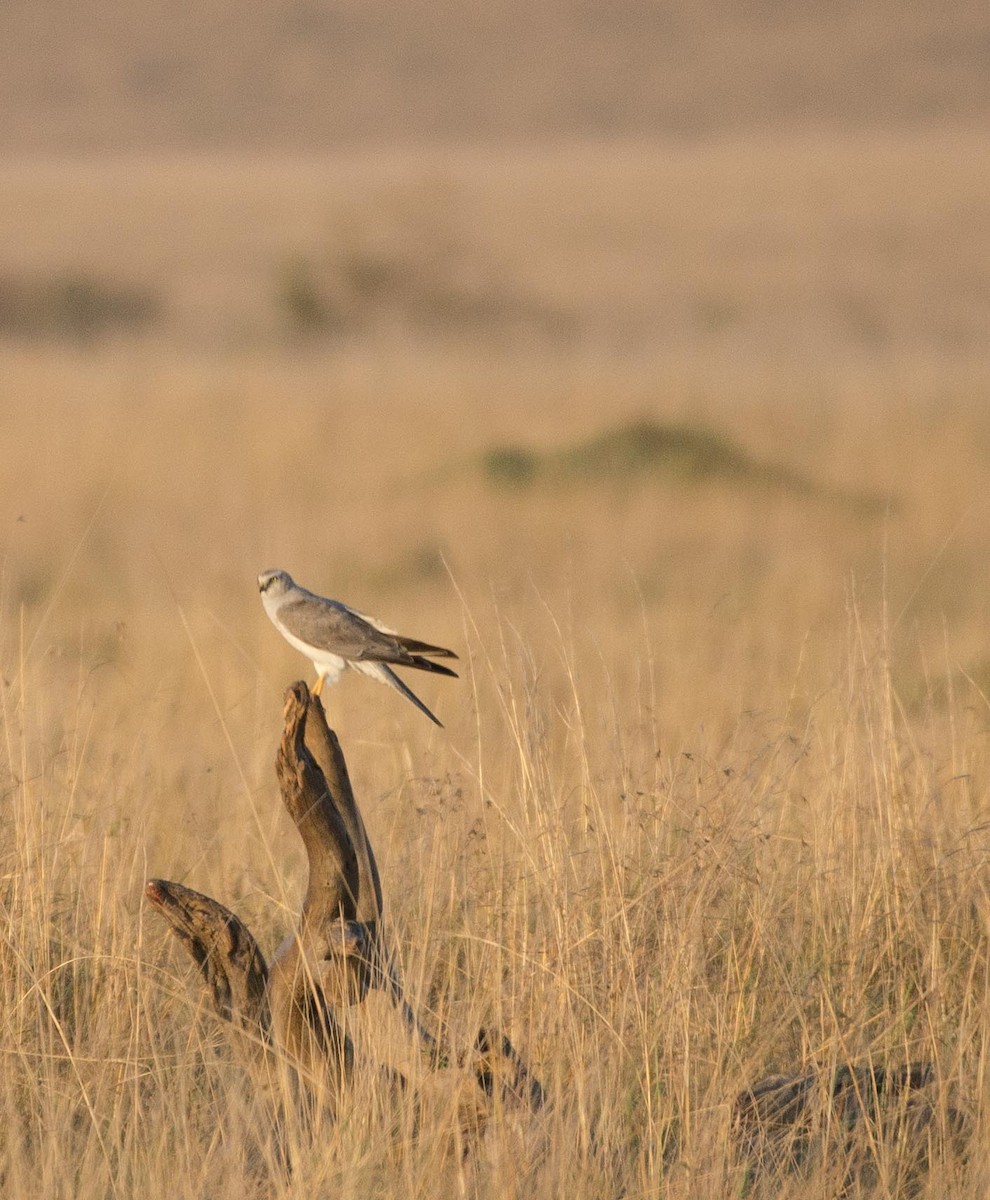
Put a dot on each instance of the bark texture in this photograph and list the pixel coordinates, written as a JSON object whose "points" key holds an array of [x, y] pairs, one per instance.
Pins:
{"points": [[337, 950], [225, 951], [844, 1121]]}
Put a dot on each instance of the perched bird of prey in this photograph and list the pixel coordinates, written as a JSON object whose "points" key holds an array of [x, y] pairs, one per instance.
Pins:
{"points": [[336, 637]]}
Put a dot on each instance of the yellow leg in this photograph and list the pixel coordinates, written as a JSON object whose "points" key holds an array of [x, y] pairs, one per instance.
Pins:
{"points": [[318, 686]]}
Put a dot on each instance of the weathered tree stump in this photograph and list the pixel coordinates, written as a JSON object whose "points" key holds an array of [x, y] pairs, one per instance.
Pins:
{"points": [[223, 947], [843, 1119], [338, 950]]}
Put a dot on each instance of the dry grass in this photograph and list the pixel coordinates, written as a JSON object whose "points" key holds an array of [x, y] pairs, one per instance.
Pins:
{"points": [[712, 797]]}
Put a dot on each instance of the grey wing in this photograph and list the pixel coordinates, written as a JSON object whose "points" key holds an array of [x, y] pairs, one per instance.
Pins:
{"points": [[410, 645], [332, 626]]}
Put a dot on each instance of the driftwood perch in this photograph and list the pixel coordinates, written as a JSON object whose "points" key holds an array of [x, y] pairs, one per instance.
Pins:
{"points": [[232, 965], [793, 1122], [340, 941], [340, 923], [338, 950]]}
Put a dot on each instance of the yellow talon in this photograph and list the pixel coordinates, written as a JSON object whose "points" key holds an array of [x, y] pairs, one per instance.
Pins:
{"points": [[318, 686]]}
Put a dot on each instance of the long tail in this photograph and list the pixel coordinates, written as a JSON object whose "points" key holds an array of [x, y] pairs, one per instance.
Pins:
{"points": [[387, 675]]}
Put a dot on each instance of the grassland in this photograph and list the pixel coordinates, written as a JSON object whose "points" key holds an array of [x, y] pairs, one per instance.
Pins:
{"points": [[712, 796]]}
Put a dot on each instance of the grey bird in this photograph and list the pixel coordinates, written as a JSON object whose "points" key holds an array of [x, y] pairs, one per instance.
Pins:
{"points": [[335, 637]]}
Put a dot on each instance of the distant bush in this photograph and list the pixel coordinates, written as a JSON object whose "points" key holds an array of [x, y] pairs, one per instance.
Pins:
{"points": [[77, 307], [645, 449], [301, 300], [510, 465], [633, 450], [359, 290], [645, 446]]}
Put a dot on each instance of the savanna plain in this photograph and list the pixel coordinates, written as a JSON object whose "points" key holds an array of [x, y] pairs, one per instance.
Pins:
{"points": [[685, 450]]}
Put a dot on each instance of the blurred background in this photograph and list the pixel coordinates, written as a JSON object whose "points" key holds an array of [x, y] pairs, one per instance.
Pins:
{"points": [[638, 351], [666, 321], [767, 180]]}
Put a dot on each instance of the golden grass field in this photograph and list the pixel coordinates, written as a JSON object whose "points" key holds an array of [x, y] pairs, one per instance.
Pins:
{"points": [[712, 796]]}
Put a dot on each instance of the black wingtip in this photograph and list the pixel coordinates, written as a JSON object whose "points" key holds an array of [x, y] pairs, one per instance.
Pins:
{"points": [[424, 664], [412, 646]]}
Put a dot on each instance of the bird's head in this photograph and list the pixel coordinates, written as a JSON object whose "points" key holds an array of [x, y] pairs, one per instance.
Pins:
{"points": [[274, 583]]}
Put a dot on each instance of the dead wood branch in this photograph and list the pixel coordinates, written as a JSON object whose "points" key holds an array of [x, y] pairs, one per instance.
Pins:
{"points": [[338, 938], [797, 1122], [341, 937], [225, 951], [500, 1070], [338, 949]]}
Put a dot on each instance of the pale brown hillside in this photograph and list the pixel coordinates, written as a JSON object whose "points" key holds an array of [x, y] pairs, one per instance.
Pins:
{"points": [[302, 75]]}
